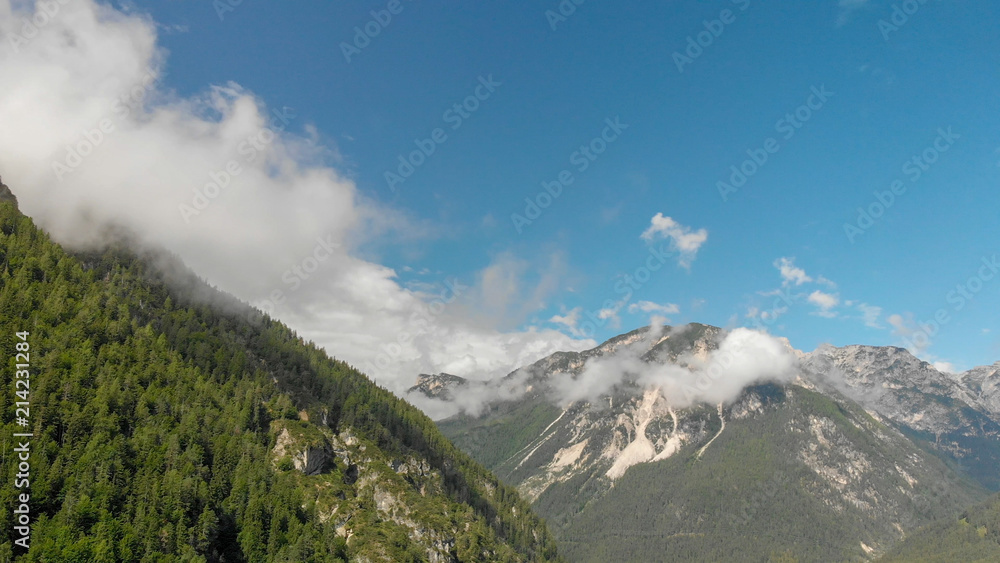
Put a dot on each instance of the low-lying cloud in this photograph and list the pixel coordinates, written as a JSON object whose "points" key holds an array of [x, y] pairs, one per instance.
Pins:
{"points": [[743, 357], [91, 139]]}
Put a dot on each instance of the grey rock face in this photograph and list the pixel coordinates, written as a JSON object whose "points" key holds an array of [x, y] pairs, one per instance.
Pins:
{"points": [[983, 383], [438, 386], [955, 415]]}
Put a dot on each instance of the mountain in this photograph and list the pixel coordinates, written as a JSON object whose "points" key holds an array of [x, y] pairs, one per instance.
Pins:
{"points": [[954, 416], [171, 422], [984, 384], [785, 471], [438, 386], [973, 537]]}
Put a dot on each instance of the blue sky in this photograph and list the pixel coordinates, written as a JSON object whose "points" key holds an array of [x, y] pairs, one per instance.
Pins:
{"points": [[750, 142], [892, 90]]}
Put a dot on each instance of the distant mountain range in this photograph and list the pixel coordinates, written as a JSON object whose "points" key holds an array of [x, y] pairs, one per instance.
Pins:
{"points": [[863, 446]]}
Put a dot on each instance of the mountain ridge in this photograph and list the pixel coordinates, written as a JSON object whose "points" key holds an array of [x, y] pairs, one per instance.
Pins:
{"points": [[844, 463]]}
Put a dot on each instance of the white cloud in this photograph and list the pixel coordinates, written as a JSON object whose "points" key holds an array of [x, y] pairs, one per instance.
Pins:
{"points": [[825, 302], [944, 367], [744, 357], [510, 288], [897, 321], [63, 84], [909, 332], [682, 239], [917, 340], [610, 314], [570, 320], [790, 273], [650, 307], [870, 315]]}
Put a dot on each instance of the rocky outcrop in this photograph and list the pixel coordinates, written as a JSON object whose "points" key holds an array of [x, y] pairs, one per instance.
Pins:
{"points": [[983, 383], [6, 194], [956, 416], [438, 386], [308, 456]]}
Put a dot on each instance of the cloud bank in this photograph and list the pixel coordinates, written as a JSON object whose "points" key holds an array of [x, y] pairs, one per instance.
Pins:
{"points": [[744, 357], [91, 139]]}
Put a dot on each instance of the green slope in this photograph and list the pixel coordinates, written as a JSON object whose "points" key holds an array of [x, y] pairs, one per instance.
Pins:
{"points": [[748, 498], [509, 429], [167, 418], [973, 538], [767, 489]]}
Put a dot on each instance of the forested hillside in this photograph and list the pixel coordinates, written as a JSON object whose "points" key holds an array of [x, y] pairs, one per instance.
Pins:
{"points": [[972, 537], [170, 422]]}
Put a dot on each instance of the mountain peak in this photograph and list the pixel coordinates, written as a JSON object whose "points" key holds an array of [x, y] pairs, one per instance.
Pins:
{"points": [[438, 386], [6, 194]]}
